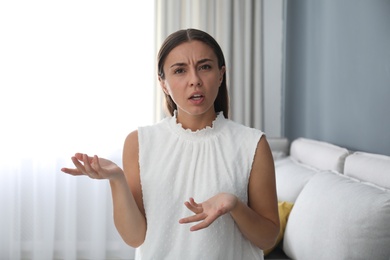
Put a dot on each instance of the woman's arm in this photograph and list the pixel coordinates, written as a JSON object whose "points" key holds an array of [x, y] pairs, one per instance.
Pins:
{"points": [[129, 216], [259, 220], [129, 213]]}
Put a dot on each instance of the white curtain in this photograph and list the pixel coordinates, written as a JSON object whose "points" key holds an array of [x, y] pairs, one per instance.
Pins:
{"points": [[237, 26], [75, 76]]}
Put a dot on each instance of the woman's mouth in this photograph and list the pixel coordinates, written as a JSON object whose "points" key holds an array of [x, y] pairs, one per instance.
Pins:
{"points": [[196, 97]]}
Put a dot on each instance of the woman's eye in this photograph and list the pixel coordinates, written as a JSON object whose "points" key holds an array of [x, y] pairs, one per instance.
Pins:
{"points": [[205, 67], [178, 71]]}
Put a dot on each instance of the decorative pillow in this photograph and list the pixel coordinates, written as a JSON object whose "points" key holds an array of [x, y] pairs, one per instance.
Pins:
{"points": [[291, 176], [374, 168], [337, 217], [284, 211], [321, 155]]}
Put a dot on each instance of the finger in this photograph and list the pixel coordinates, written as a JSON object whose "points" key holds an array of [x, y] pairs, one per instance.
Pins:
{"points": [[78, 165], [192, 201], [88, 168], [204, 224], [96, 164], [70, 171], [96, 167], [193, 208], [194, 218], [201, 225], [79, 156]]}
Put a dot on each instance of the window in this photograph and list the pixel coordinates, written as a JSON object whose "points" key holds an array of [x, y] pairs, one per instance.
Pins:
{"points": [[75, 76]]}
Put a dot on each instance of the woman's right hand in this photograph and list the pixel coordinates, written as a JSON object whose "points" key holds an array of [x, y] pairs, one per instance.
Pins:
{"points": [[94, 167]]}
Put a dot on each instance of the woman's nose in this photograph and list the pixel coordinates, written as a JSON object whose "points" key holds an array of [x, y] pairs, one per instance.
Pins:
{"points": [[195, 83], [195, 79]]}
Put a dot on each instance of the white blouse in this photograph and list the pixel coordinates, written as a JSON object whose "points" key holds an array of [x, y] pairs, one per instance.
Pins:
{"points": [[176, 164]]}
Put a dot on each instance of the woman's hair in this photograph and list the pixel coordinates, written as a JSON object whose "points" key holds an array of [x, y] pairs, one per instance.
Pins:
{"points": [[221, 103]]}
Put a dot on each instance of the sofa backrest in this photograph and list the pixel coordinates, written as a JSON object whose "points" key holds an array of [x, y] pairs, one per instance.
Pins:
{"points": [[307, 157], [318, 154], [369, 167]]}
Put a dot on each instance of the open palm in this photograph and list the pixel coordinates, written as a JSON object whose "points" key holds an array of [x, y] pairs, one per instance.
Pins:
{"points": [[207, 212], [94, 167]]}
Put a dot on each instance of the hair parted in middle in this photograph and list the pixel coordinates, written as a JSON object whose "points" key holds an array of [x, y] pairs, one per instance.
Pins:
{"points": [[221, 102]]}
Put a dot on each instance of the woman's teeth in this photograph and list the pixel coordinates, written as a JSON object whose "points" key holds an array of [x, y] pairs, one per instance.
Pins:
{"points": [[196, 97]]}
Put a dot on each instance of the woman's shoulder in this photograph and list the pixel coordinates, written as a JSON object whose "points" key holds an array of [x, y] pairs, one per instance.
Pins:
{"points": [[241, 128], [131, 140], [152, 133]]}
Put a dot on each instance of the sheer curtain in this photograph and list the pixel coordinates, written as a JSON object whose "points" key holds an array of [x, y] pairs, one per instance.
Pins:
{"points": [[237, 26], [75, 76]]}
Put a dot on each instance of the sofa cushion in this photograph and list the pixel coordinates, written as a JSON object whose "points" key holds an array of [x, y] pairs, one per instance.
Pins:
{"points": [[291, 176], [318, 154], [337, 217], [369, 167]]}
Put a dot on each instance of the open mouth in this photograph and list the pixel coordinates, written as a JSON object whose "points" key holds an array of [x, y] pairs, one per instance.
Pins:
{"points": [[196, 97]]}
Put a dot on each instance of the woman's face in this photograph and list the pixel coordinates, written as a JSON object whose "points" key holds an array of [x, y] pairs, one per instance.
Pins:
{"points": [[192, 78]]}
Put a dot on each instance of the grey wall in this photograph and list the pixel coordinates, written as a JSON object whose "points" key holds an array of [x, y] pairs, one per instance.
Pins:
{"points": [[337, 73], [272, 56]]}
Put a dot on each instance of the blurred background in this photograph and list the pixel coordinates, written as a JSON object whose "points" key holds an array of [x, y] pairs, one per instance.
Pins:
{"points": [[78, 76]]}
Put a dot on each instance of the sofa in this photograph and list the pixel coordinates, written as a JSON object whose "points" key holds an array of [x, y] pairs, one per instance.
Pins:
{"points": [[333, 203]]}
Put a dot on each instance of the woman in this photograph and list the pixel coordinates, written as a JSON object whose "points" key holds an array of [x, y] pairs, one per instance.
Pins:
{"points": [[223, 169]]}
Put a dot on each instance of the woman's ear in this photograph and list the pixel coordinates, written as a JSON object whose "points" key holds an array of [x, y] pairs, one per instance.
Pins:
{"points": [[163, 86], [221, 73]]}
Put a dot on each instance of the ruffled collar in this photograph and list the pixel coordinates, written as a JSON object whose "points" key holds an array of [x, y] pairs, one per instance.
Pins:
{"points": [[207, 131]]}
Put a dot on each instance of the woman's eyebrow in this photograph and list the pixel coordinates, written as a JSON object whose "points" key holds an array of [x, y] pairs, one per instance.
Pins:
{"points": [[180, 64], [204, 60]]}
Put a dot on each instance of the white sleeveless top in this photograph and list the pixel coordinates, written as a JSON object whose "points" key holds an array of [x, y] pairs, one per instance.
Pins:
{"points": [[176, 164]]}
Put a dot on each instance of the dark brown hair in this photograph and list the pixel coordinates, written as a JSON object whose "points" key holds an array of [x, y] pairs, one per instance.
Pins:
{"points": [[221, 103]]}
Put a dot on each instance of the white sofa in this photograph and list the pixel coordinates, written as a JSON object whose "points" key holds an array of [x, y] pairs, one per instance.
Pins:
{"points": [[340, 202]]}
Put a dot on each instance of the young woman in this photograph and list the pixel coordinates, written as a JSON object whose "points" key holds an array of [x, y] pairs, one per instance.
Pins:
{"points": [[195, 185]]}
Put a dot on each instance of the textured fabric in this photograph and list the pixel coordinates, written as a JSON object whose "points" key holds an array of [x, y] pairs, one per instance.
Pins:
{"points": [[369, 167], [291, 176], [176, 164], [336, 217], [321, 155]]}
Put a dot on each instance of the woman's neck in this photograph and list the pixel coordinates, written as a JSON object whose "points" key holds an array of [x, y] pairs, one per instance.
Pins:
{"points": [[195, 122]]}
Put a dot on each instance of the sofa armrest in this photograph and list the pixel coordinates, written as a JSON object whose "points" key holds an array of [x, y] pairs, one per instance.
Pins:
{"points": [[280, 147]]}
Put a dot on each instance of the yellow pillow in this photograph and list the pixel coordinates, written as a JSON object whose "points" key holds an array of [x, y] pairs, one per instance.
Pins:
{"points": [[284, 208]]}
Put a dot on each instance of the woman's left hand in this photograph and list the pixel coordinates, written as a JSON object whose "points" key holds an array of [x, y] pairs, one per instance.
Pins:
{"points": [[207, 212]]}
